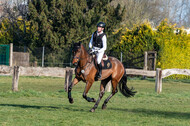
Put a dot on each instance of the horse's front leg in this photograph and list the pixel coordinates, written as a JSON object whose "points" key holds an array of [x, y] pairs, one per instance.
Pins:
{"points": [[74, 82], [87, 88]]}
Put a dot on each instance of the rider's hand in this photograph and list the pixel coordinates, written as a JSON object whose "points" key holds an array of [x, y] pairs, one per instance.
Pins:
{"points": [[90, 51], [95, 52]]}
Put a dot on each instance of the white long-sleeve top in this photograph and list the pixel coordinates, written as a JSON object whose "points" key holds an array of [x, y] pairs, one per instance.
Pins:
{"points": [[104, 40]]}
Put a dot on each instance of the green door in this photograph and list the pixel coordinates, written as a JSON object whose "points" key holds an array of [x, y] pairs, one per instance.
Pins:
{"points": [[4, 54]]}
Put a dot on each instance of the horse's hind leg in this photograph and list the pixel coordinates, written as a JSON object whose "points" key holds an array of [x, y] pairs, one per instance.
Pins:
{"points": [[102, 91], [114, 91]]}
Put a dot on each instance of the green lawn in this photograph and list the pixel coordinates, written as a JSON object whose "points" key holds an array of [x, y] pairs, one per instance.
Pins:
{"points": [[42, 101]]}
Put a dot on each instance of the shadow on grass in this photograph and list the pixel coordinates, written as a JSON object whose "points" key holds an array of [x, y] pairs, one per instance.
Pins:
{"points": [[148, 112], [69, 108], [29, 106]]}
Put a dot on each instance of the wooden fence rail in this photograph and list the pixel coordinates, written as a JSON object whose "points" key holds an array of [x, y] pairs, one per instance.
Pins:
{"points": [[168, 72], [159, 74], [165, 73], [68, 72], [141, 72]]}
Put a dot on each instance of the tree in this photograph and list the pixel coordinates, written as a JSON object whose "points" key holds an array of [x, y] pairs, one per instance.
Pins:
{"points": [[5, 33], [155, 11], [59, 22], [14, 22]]}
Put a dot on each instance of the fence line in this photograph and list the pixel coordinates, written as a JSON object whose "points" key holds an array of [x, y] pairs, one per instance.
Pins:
{"points": [[165, 73], [61, 72], [34, 71], [159, 74], [168, 72], [141, 72]]}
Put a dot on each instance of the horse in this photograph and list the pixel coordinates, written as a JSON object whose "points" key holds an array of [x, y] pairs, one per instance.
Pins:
{"points": [[86, 71]]}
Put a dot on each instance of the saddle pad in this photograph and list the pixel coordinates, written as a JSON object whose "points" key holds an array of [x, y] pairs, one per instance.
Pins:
{"points": [[107, 64]]}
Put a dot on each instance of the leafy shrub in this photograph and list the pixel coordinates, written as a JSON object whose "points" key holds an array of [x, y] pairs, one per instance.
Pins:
{"points": [[173, 49]]}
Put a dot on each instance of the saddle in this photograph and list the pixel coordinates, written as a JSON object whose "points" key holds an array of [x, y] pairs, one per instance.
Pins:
{"points": [[106, 64]]}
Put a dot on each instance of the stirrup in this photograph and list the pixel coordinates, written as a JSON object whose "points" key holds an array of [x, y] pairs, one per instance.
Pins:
{"points": [[99, 75]]}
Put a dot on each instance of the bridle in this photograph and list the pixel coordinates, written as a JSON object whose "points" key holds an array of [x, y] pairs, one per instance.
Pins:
{"points": [[79, 58]]}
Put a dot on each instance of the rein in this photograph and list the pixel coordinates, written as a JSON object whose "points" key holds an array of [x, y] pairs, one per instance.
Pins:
{"points": [[79, 58], [86, 62]]}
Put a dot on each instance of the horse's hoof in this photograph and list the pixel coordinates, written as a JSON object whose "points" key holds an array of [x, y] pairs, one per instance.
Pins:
{"points": [[92, 110], [93, 100], [71, 100], [104, 106]]}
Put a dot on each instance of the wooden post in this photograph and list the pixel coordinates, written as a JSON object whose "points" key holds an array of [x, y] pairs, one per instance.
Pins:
{"points": [[145, 60], [158, 85], [108, 87], [11, 54], [16, 72], [155, 56], [68, 78]]}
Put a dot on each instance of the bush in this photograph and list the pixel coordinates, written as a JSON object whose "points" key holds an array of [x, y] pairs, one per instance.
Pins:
{"points": [[173, 49], [135, 42]]}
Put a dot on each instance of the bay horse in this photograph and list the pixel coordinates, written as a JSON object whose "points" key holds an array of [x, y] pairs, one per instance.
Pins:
{"points": [[86, 72]]}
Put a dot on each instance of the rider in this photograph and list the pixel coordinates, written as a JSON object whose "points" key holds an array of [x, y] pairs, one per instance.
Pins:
{"points": [[98, 44]]}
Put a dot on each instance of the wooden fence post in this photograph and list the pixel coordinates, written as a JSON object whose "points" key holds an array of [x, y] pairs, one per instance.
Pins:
{"points": [[145, 60], [108, 87], [158, 85], [16, 72], [155, 56], [68, 78], [66, 74]]}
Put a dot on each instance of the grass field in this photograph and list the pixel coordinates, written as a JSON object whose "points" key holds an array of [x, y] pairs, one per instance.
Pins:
{"points": [[42, 101]]}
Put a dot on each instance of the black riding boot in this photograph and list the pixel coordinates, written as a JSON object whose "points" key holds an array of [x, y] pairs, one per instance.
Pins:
{"points": [[99, 70]]}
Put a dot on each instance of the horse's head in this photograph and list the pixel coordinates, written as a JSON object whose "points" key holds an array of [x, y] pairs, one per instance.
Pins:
{"points": [[76, 53]]}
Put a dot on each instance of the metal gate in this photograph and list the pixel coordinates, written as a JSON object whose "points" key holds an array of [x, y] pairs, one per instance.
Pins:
{"points": [[4, 54]]}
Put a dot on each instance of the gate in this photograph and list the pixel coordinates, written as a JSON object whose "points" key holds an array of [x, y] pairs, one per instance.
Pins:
{"points": [[4, 54]]}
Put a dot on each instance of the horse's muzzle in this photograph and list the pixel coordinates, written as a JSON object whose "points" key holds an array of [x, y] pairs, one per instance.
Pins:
{"points": [[75, 64]]}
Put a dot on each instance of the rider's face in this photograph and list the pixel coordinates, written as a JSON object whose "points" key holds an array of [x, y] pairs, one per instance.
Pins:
{"points": [[99, 29]]}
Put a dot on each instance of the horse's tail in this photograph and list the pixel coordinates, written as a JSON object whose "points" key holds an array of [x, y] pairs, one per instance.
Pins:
{"points": [[123, 87]]}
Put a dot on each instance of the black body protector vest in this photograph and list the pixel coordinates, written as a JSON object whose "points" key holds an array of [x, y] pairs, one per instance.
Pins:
{"points": [[97, 40]]}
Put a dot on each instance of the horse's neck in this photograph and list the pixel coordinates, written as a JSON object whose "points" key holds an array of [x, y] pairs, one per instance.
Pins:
{"points": [[84, 56]]}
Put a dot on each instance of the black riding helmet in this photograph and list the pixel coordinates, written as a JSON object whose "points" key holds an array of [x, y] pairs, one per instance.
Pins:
{"points": [[101, 24]]}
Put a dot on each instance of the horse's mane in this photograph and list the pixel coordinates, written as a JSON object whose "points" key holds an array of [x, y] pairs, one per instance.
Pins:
{"points": [[85, 48]]}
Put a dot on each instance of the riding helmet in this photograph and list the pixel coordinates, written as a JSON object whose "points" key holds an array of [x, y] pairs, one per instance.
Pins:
{"points": [[101, 24]]}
